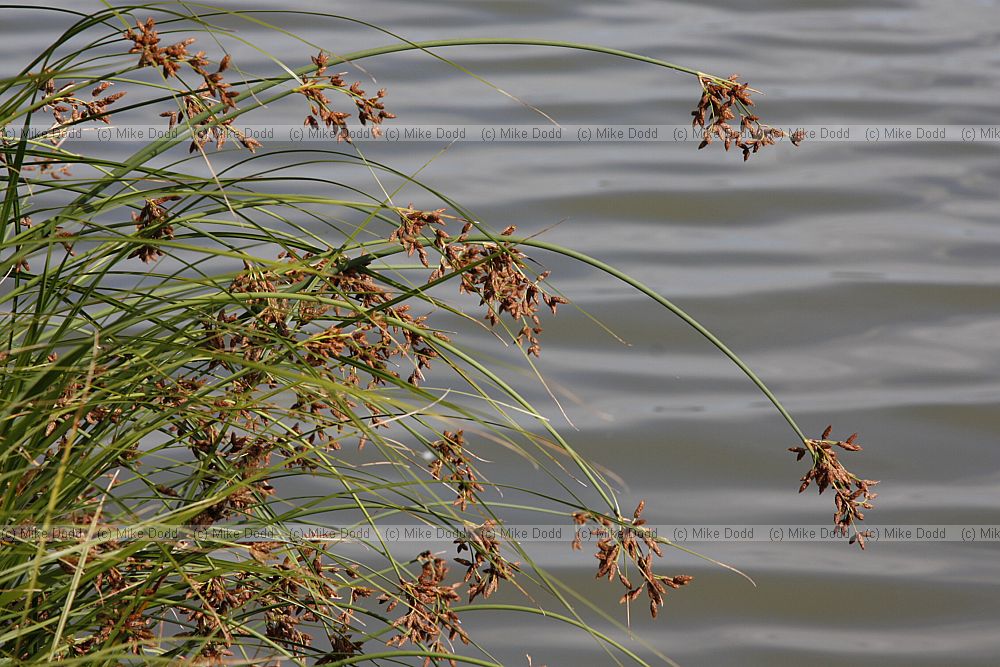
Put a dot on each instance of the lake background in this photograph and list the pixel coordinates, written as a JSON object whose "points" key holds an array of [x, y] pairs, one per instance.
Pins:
{"points": [[860, 280]]}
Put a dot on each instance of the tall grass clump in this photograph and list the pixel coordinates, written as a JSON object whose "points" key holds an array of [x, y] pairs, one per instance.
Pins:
{"points": [[193, 348]]}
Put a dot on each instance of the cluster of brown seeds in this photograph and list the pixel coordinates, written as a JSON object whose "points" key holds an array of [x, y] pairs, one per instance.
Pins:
{"points": [[210, 130], [68, 410], [69, 109], [409, 234], [145, 41], [299, 591], [64, 407], [487, 567], [312, 90], [220, 598], [135, 631], [119, 620], [493, 271], [371, 110], [325, 347], [151, 223], [722, 101], [246, 456], [496, 273], [626, 539], [170, 59], [371, 337], [429, 619], [284, 612], [22, 265], [463, 478], [63, 101], [852, 493]]}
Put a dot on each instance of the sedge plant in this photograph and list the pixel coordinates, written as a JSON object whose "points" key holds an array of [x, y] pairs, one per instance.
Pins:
{"points": [[193, 343]]}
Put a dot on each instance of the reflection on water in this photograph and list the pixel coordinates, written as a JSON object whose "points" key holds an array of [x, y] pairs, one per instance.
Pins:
{"points": [[859, 280]]}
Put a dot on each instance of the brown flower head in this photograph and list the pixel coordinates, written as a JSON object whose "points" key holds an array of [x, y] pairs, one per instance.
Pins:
{"points": [[151, 223], [727, 100], [852, 494], [628, 539]]}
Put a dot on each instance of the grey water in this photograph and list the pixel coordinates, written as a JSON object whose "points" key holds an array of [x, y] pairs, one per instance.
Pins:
{"points": [[860, 280]]}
